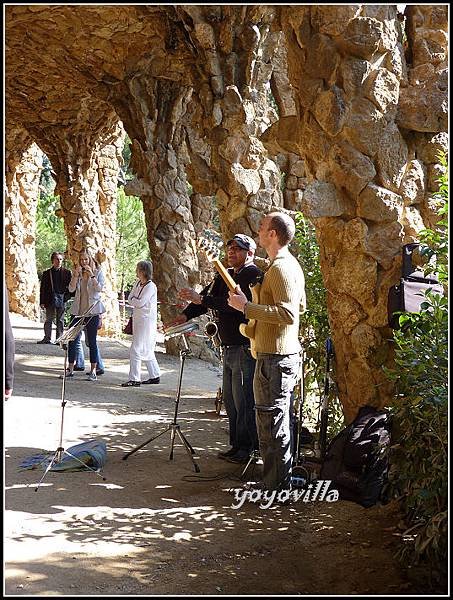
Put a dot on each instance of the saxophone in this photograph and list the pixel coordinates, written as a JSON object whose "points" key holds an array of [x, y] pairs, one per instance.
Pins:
{"points": [[212, 331]]}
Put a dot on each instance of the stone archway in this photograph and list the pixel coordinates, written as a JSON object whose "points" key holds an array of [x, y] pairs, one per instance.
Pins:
{"points": [[189, 83]]}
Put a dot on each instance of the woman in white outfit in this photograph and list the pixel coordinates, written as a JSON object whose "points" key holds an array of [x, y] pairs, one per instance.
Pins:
{"points": [[143, 299]]}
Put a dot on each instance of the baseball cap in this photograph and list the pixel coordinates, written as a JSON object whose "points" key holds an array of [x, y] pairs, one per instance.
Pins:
{"points": [[243, 241]]}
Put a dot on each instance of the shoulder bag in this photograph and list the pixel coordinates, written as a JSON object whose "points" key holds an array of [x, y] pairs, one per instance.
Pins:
{"points": [[57, 297], [129, 329]]}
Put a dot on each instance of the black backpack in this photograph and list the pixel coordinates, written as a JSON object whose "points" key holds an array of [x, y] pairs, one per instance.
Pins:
{"points": [[356, 460]]}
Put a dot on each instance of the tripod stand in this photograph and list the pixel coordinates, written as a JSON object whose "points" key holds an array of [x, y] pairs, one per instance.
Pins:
{"points": [[253, 459], [173, 427], [70, 334]]}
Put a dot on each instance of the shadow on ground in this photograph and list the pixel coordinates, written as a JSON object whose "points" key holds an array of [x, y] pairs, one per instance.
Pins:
{"points": [[154, 525]]}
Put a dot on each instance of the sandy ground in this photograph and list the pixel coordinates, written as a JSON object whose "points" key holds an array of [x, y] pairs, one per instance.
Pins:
{"points": [[154, 526]]}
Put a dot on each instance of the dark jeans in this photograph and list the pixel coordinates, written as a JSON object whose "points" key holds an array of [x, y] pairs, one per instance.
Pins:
{"points": [[80, 354], [91, 330], [238, 370], [51, 313], [275, 378]]}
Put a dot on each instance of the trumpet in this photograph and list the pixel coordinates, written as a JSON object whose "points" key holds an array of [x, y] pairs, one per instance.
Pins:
{"points": [[212, 331]]}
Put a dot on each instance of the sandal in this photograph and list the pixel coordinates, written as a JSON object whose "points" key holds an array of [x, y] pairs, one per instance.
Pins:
{"points": [[131, 384]]}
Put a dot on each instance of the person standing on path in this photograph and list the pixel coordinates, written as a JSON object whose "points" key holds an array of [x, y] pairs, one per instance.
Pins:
{"points": [[143, 299], [52, 296], [274, 312], [238, 362], [87, 281]]}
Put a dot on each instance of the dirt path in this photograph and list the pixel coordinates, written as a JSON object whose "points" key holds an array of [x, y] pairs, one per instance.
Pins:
{"points": [[154, 526]]}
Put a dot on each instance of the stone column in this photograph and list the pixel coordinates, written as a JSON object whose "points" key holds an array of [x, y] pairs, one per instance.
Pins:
{"points": [[23, 172], [347, 65], [87, 186], [232, 97], [159, 158], [422, 109]]}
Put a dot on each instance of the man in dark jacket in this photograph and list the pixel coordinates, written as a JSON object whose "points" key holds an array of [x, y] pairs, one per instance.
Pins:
{"points": [[238, 363], [54, 286]]}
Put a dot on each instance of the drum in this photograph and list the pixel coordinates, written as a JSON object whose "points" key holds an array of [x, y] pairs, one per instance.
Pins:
{"points": [[183, 328]]}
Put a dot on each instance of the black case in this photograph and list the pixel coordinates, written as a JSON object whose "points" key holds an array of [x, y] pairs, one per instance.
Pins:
{"points": [[408, 294]]}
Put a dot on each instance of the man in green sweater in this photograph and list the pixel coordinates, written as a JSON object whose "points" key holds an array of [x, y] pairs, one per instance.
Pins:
{"points": [[273, 328]]}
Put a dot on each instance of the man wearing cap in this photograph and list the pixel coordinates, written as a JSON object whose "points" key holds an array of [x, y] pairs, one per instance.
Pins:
{"points": [[275, 315], [238, 363]]}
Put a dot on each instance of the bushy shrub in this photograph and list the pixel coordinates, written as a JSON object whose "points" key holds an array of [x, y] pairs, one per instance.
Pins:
{"points": [[315, 329], [50, 233], [419, 471]]}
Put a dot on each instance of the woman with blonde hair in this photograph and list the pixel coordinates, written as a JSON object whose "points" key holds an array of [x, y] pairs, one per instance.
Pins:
{"points": [[87, 281], [143, 299]]}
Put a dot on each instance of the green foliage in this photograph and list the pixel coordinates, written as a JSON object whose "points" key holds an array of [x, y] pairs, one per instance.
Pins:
{"points": [[419, 472], [131, 240], [47, 182], [436, 240], [50, 234], [315, 328], [125, 171]]}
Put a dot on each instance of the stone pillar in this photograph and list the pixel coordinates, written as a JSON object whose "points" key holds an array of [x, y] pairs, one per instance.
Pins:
{"points": [[203, 211], [23, 171], [347, 65], [233, 109], [87, 186], [422, 108], [159, 158]]}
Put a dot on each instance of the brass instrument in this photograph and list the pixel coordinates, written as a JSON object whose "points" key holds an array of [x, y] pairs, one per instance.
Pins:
{"points": [[212, 331]]}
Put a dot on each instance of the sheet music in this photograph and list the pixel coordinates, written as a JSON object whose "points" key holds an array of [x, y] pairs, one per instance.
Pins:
{"points": [[72, 332]]}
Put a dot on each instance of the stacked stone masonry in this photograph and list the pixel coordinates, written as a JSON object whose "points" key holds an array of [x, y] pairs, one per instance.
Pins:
{"points": [[338, 111]]}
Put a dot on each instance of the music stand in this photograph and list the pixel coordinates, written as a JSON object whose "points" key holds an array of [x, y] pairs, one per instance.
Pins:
{"points": [[173, 427], [67, 336]]}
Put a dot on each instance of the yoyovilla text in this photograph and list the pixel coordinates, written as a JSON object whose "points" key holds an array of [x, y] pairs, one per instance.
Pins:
{"points": [[317, 491]]}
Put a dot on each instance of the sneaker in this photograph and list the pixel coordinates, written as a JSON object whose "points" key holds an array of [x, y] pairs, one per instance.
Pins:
{"points": [[68, 374], [44, 341], [98, 371], [227, 454], [91, 377], [79, 369], [155, 380], [131, 384]]}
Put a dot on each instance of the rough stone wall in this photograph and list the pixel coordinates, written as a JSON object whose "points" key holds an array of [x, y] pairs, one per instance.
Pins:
{"points": [[422, 108], [361, 118], [159, 165], [233, 47], [93, 56], [362, 182], [23, 172], [87, 185]]}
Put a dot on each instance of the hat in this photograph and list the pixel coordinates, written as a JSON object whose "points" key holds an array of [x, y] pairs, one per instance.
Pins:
{"points": [[243, 241]]}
